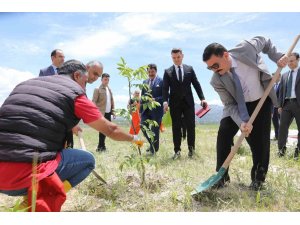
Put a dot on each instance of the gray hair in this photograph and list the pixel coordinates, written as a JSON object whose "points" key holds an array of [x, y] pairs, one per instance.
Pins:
{"points": [[69, 67], [94, 63]]}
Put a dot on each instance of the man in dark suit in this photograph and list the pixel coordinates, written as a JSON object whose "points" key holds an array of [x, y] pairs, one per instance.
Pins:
{"points": [[275, 114], [178, 79], [156, 90], [58, 58], [289, 100]]}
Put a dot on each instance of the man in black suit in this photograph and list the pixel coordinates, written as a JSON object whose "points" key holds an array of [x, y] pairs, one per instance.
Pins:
{"points": [[178, 79], [57, 58], [275, 114], [289, 100]]}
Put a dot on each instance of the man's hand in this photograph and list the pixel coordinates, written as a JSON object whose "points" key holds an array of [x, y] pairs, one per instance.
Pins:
{"points": [[282, 62], [279, 110], [76, 129], [203, 103], [138, 141], [166, 107], [246, 128]]}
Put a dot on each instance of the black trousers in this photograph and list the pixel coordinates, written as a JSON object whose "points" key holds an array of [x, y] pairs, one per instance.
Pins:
{"points": [[290, 110], [258, 140], [102, 137], [183, 128], [148, 115], [275, 120], [189, 120]]}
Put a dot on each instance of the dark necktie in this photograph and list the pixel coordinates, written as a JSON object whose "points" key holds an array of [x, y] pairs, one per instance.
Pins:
{"points": [[180, 74], [151, 83], [243, 112], [289, 85]]}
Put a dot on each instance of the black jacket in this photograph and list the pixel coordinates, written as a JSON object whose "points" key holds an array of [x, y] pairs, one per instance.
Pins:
{"points": [[180, 91], [36, 117]]}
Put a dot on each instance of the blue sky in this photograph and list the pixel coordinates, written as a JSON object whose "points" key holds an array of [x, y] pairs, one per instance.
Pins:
{"points": [[140, 38]]}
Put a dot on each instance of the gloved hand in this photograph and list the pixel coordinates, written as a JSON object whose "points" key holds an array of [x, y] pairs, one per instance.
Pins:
{"points": [[138, 141]]}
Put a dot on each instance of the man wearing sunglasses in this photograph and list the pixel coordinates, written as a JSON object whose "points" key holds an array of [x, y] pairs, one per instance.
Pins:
{"points": [[240, 78]]}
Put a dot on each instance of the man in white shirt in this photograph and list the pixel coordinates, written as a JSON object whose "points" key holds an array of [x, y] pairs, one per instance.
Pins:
{"points": [[240, 78]]}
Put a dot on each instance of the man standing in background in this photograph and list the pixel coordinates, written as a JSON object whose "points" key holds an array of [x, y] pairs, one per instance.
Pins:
{"points": [[58, 58], [103, 99], [178, 79], [289, 99], [156, 90], [275, 114]]}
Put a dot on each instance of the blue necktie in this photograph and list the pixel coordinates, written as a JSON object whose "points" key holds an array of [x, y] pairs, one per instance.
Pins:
{"points": [[289, 85], [243, 112]]}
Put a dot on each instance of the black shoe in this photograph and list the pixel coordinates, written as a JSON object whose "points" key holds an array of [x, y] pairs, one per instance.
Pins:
{"points": [[150, 154], [281, 152], [296, 153], [256, 185], [191, 152], [101, 149], [177, 155], [221, 183]]}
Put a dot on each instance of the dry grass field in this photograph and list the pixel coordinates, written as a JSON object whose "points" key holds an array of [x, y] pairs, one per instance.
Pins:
{"points": [[168, 183]]}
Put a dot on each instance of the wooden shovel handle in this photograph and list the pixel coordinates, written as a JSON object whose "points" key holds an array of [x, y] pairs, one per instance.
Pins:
{"points": [[84, 148]]}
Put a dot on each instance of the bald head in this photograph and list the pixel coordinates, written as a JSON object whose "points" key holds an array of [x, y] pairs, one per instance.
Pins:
{"points": [[95, 70]]}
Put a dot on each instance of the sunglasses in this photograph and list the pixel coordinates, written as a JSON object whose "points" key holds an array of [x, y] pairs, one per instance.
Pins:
{"points": [[215, 66]]}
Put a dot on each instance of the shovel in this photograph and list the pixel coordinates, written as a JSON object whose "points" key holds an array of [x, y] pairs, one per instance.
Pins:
{"points": [[218, 176], [84, 148]]}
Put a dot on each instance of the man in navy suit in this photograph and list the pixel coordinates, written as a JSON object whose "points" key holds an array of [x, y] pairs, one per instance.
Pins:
{"points": [[178, 79], [156, 89], [58, 58]]}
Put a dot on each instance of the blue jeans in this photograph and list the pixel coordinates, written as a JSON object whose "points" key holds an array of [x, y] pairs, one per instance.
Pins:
{"points": [[75, 166]]}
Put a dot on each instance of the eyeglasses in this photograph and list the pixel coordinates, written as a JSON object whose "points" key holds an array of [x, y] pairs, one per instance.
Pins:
{"points": [[215, 66]]}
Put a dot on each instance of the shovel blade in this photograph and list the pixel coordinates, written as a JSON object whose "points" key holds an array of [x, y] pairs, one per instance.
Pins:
{"points": [[209, 182]]}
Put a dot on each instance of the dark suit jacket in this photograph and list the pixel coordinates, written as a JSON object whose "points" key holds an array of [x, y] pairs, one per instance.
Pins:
{"points": [[282, 89], [47, 71], [157, 92], [181, 91]]}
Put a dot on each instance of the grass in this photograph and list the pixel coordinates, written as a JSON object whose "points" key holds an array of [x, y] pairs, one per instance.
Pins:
{"points": [[169, 183]]}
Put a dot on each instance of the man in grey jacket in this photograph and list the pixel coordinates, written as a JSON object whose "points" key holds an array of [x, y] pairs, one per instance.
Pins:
{"points": [[240, 78]]}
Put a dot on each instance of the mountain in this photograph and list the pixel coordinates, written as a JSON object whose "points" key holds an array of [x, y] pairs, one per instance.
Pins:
{"points": [[213, 116]]}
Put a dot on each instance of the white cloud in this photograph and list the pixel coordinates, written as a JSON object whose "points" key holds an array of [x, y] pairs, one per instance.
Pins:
{"points": [[9, 79], [147, 25], [21, 47], [116, 33], [94, 45]]}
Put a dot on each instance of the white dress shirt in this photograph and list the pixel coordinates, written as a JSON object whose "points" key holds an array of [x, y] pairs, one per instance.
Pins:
{"points": [[108, 101], [250, 80]]}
